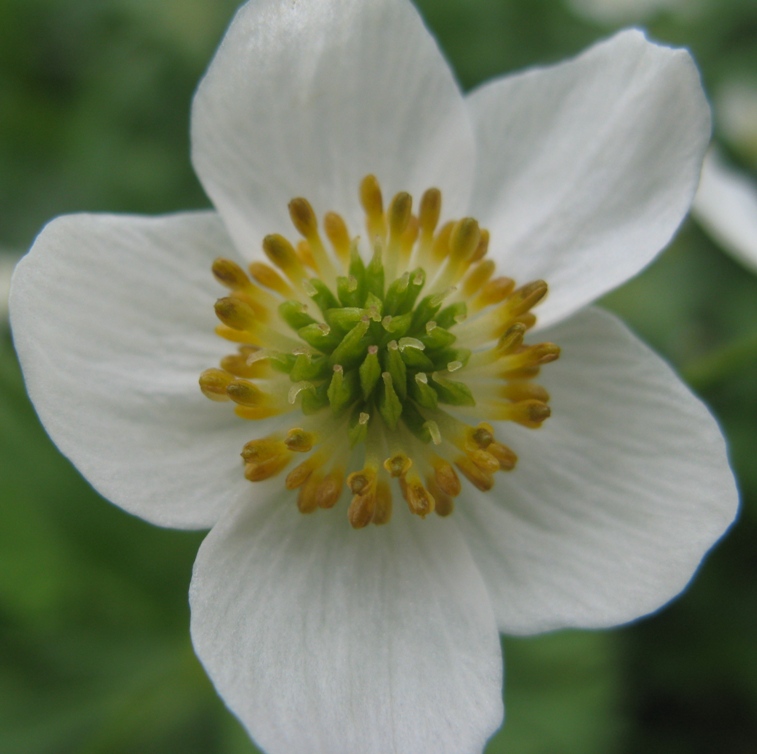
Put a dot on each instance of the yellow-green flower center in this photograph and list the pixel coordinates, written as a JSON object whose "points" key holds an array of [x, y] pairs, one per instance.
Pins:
{"points": [[376, 367]]}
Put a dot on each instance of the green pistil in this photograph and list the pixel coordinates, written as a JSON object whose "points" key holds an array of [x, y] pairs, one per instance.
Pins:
{"points": [[376, 350]]}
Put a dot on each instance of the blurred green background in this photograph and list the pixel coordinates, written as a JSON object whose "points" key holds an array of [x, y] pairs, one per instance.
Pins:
{"points": [[95, 655]]}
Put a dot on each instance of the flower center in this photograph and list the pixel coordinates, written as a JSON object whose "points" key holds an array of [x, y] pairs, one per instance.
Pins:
{"points": [[378, 371]]}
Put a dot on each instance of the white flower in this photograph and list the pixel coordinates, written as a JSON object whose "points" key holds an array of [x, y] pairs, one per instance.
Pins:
{"points": [[726, 207], [325, 639]]}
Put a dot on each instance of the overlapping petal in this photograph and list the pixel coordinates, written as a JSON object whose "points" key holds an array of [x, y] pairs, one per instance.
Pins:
{"points": [[306, 98], [114, 322], [726, 206], [329, 641], [614, 501], [586, 169]]}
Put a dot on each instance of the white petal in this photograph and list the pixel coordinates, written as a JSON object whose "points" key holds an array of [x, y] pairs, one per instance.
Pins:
{"points": [[325, 640], [113, 322], [587, 168], [614, 501], [726, 207], [306, 98], [7, 264]]}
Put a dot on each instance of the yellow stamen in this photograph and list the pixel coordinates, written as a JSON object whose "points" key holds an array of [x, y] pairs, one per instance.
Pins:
{"points": [[477, 277], [507, 459], [305, 253], [239, 365], [299, 441], [230, 274], [479, 478], [522, 390], [382, 511], [330, 489], [245, 393], [283, 255], [483, 246], [258, 471], [528, 413], [337, 233], [428, 218], [373, 205], [268, 277], [236, 314], [300, 474], [307, 498], [445, 478], [381, 363], [494, 292], [419, 499], [398, 465], [213, 383]]}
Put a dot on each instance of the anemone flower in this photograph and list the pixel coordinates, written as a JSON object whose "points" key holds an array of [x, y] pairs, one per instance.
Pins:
{"points": [[399, 360]]}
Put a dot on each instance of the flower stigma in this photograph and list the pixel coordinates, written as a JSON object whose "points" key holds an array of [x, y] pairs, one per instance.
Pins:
{"points": [[391, 364]]}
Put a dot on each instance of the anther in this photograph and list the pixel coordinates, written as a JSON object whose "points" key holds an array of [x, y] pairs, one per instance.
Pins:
{"points": [[479, 478], [419, 499], [244, 393], [305, 253], [477, 277], [483, 246], [529, 357], [494, 292], [407, 241], [283, 255], [482, 436], [361, 510], [512, 338], [526, 297], [303, 217], [521, 390], [336, 231], [213, 383], [236, 314], [528, 413], [443, 503], [257, 471], [382, 511], [440, 246], [239, 365], [300, 474], [268, 277], [399, 214], [446, 478], [506, 458], [398, 465], [262, 449], [484, 461], [230, 274], [299, 441], [373, 205], [360, 481], [464, 239], [330, 489], [307, 500], [428, 217]]}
